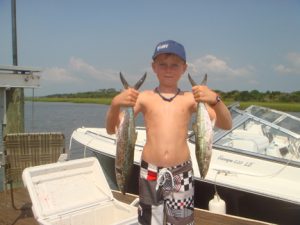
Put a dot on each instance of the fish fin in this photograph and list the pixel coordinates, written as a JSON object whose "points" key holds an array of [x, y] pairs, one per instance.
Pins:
{"points": [[124, 82], [140, 82]]}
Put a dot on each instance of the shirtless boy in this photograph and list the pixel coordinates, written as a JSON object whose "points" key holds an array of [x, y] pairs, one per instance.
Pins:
{"points": [[166, 175]]}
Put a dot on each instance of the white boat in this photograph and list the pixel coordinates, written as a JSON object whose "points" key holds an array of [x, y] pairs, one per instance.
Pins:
{"points": [[255, 166]]}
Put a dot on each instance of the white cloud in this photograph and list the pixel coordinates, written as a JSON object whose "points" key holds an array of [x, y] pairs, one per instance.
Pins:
{"points": [[79, 65], [56, 74], [282, 69], [292, 65], [213, 64], [77, 71], [77, 75]]}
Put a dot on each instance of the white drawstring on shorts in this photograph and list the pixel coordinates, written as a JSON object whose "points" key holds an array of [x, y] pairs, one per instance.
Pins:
{"points": [[162, 178]]}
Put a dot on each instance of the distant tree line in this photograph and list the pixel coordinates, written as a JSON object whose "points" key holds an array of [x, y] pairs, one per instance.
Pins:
{"points": [[101, 93], [242, 96], [268, 96]]}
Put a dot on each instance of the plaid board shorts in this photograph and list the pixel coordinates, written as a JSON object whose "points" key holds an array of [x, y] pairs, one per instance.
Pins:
{"points": [[166, 194]]}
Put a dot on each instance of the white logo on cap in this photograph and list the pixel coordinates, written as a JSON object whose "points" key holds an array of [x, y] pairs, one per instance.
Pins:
{"points": [[162, 46]]}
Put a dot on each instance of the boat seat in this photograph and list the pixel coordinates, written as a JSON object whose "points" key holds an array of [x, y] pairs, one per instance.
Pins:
{"points": [[248, 141], [255, 128], [22, 150]]}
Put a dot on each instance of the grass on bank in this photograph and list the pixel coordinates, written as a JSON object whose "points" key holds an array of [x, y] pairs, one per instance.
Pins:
{"points": [[103, 101], [282, 106]]}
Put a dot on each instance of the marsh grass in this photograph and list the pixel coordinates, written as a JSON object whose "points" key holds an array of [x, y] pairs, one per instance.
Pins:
{"points": [[104, 101], [281, 106]]}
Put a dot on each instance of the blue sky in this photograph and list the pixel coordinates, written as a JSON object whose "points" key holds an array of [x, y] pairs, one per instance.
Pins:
{"points": [[82, 45]]}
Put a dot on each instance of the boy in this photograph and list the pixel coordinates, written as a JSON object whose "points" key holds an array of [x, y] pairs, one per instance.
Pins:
{"points": [[166, 175]]}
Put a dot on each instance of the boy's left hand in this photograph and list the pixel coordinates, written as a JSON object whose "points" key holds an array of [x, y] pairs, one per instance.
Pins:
{"points": [[203, 94]]}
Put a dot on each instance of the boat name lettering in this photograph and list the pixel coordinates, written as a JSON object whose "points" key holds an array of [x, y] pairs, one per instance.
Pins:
{"points": [[235, 161]]}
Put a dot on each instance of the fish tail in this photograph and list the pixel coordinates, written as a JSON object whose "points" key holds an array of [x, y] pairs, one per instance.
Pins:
{"points": [[137, 85], [124, 82], [193, 83]]}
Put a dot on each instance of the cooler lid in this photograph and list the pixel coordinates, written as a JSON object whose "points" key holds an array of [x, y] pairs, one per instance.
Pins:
{"points": [[59, 188]]}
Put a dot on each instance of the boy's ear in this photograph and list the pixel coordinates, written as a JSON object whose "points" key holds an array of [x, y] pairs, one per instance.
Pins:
{"points": [[185, 67], [153, 66]]}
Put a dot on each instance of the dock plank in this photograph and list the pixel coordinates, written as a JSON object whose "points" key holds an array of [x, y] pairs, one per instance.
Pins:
{"points": [[24, 215], [202, 217], [10, 216]]}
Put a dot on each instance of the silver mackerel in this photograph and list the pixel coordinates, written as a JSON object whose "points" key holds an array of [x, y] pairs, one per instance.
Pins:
{"points": [[203, 130], [126, 138]]}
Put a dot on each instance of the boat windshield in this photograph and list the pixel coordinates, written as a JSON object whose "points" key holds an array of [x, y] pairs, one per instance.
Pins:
{"points": [[282, 119], [290, 124], [264, 113], [264, 133]]}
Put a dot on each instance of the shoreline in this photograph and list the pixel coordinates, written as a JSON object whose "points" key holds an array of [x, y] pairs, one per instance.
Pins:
{"points": [[281, 106]]}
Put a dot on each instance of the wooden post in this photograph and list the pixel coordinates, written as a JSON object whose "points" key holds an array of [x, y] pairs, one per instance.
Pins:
{"points": [[14, 96], [14, 111]]}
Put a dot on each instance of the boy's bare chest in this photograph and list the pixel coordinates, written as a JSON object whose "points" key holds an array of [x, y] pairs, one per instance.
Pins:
{"points": [[159, 109]]}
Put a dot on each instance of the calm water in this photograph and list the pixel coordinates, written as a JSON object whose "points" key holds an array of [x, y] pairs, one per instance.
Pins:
{"points": [[63, 117]]}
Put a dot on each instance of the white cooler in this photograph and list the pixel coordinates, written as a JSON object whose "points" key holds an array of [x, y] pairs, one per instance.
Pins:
{"points": [[75, 192]]}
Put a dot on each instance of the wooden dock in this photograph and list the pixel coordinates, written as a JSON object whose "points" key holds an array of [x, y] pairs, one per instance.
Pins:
{"points": [[24, 215]]}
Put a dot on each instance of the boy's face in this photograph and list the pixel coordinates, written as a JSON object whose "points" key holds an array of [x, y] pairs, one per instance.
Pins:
{"points": [[168, 68]]}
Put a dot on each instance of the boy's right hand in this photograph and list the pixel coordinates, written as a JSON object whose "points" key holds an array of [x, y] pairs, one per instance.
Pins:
{"points": [[127, 98]]}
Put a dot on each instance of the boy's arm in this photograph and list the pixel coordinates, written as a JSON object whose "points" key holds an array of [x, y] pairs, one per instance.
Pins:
{"points": [[223, 116]]}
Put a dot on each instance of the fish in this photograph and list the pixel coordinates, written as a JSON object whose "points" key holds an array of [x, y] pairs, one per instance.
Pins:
{"points": [[203, 130], [126, 136]]}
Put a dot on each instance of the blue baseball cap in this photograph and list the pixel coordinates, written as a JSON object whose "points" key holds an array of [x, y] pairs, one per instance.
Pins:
{"points": [[169, 46]]}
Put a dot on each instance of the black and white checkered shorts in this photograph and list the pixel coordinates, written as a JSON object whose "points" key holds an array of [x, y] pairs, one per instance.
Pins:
{"points": [[177, 196]]}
